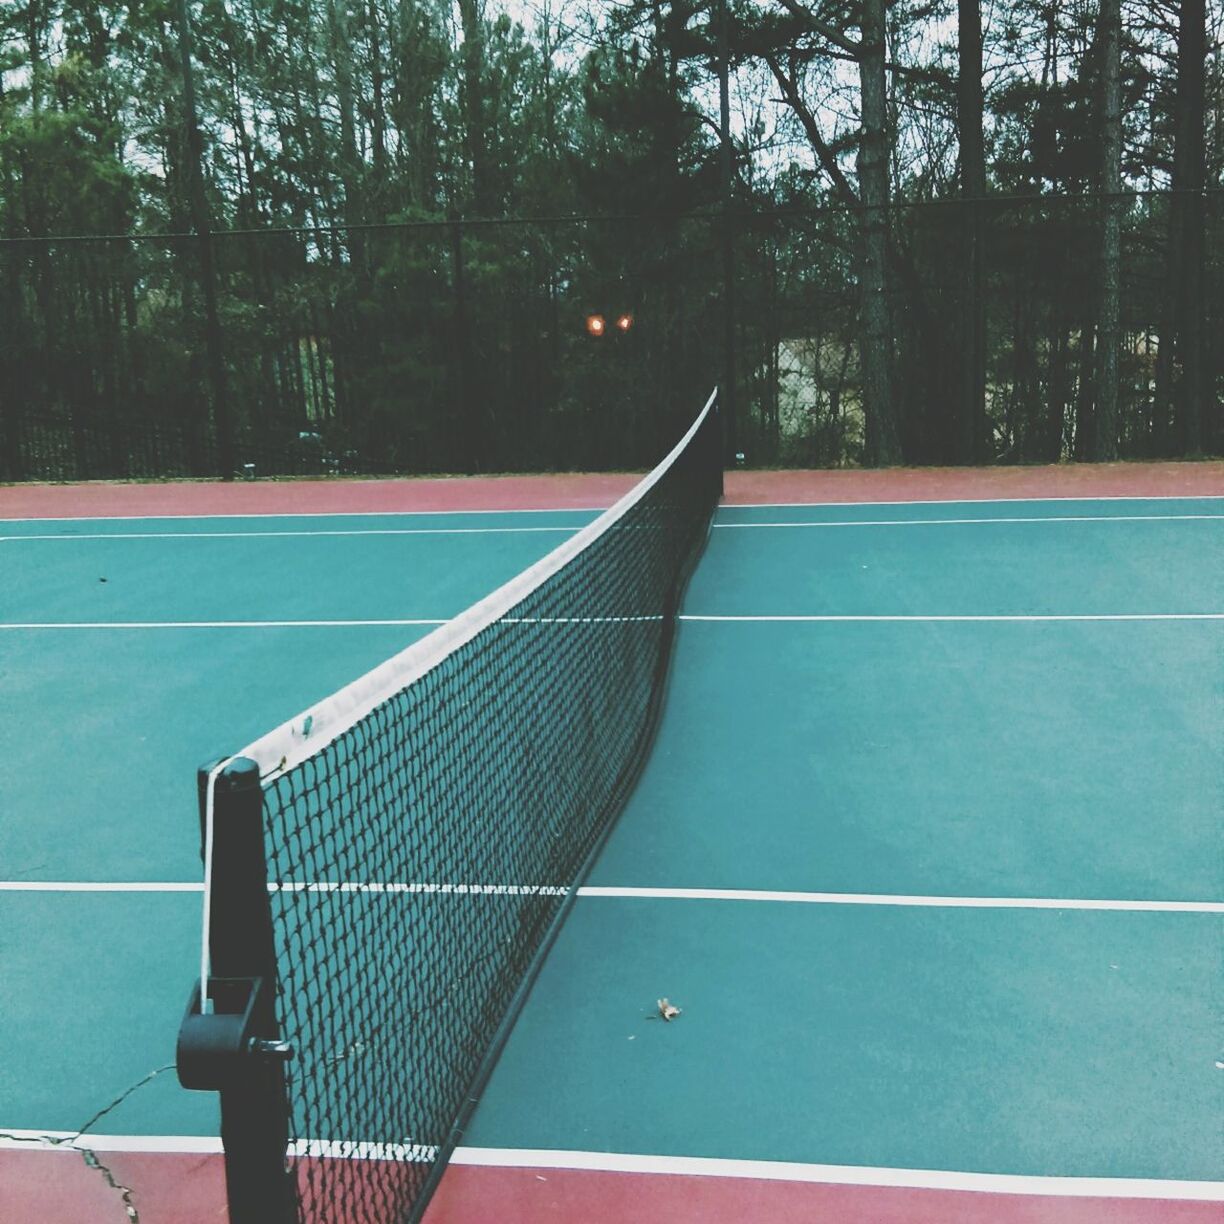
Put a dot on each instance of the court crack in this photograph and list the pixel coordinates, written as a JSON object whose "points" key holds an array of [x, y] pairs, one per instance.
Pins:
{"points": [[125, 1192], [88, 1154]]}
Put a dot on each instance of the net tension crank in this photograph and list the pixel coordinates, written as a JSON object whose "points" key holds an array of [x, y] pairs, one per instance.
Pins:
{"points": [[216, 1049]]}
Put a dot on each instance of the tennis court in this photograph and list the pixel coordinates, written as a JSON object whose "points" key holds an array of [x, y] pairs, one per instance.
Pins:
{"points": [[926, 850]]}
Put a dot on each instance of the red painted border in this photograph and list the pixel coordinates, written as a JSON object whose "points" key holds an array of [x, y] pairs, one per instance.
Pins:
{"points": [[975, 484], [189, 498], [471, 1193], [576, 491], [54, 1186]]}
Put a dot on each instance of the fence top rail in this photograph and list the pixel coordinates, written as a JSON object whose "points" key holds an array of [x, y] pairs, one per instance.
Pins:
{"points": [[998, 200]]}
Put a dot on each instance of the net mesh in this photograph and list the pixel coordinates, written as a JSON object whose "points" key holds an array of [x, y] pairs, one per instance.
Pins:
{"points": [[419, 859]]}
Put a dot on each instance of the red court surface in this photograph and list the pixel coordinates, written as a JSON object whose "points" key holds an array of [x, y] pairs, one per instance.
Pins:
{"points": [[551, 1196], [56, 1185], [572, 491]]}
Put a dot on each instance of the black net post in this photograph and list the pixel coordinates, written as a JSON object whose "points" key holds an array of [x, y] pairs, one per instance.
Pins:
{"points": [[232, 1045]]}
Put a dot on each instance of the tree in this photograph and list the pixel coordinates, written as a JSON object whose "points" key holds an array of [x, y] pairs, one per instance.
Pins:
{"points": [[1105, 426], [871, 325], [883, 445], [1181, 382], [969, 117]]}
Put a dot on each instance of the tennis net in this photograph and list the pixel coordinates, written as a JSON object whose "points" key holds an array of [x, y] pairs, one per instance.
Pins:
{"points": [[423, 830]]}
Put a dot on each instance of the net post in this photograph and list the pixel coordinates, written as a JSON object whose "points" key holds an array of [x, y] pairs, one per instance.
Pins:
{"points": [[232, 1045]]}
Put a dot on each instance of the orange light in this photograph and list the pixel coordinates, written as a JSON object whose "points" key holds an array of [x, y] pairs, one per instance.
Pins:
{"points": [[595, 325], [624, 322]]}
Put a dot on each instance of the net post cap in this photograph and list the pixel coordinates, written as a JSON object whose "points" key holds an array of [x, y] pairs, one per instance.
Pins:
{"points": [[238, 773]]}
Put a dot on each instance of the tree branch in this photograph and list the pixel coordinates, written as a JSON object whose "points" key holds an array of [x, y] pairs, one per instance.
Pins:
{"points": [[811, 128], [816, 26]]}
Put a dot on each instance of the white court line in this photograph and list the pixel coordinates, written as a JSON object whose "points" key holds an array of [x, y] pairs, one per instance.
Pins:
{"points": [[914, 901], [939, 617], [317, 514], [975, 501], [960, 522], [17, 1139], [847, 1175], [449, 531], [287, 624], [690, 1166], [832, 618], [300, 514], [102, 886], [305, 535]]}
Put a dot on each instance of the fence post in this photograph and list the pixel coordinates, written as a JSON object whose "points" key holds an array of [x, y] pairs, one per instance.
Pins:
{"points": [[465, 434]]}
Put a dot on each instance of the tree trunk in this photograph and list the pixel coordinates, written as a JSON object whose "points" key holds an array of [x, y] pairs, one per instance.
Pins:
{"points": [[378, 123], [973, 440], [1188, 232], [882, 439], [1083, 444], [350, 159], [471, 16], [1105, 430], [194, 163]]}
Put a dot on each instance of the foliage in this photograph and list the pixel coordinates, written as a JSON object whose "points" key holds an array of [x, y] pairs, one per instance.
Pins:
{"points": [[361, 325]]}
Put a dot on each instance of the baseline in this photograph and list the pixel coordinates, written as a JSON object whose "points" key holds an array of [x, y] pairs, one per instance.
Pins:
{"points": [[975, 522], [629, 1162], [780, 896], [295, 535], [184, 1174]]}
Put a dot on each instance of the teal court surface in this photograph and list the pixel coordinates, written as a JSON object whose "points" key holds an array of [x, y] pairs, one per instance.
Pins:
{"points": [[927, 851]]}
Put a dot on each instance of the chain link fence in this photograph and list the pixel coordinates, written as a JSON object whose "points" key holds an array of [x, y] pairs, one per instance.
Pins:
{"points": [[441, 347]]}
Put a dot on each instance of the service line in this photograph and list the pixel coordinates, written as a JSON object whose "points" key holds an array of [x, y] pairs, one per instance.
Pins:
{"points": [[298, 535], [312, 533]]}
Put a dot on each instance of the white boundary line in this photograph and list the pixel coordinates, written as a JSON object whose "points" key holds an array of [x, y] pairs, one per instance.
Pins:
{"points": [[846, 1175], [312, 535], [102, 886], [850, 502], [318, 514], [939, 617], [692, 617], [597, 891], [688, 1166], [453, 531], [898, 899], [16, 1139], [286, 624], [974, 501], [962, 522]]}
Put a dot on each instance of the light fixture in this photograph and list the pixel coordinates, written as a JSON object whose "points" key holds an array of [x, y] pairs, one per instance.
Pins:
{"points": [[595, 325]]}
